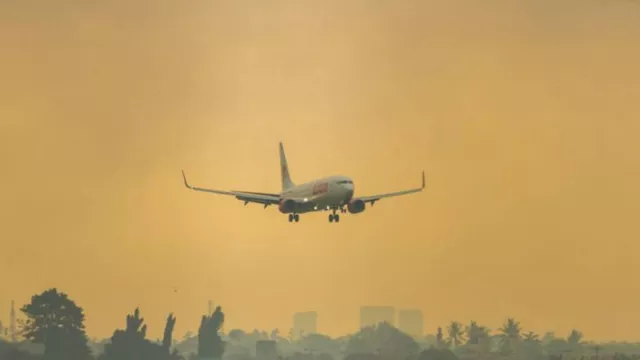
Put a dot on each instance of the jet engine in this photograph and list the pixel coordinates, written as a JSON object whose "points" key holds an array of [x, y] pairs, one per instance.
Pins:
{"points": [[355, 206], [287, 206]]}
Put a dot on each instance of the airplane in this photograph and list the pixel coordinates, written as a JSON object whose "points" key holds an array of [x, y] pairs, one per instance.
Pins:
{"points": [[331, 193]]}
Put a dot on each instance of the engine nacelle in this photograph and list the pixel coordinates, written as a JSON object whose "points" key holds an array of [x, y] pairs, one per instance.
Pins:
{"points": [[356, 206], [287, 206]]}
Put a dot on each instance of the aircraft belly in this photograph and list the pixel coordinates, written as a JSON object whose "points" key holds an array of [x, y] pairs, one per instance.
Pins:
{"points": [[329, 197]]}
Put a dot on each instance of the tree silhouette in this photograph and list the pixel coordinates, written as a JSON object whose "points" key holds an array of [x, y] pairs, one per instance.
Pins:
{"points": [[131, 343], [510, 335], [575, 338], [210, 344], [478, 338], [532, 346], [558, 346], [531, 337], [168, 332], [456, 333], [57, 322], [473, 333], [440, 342], [236, 335], [384, 339], [511, 329], [135, 326]]}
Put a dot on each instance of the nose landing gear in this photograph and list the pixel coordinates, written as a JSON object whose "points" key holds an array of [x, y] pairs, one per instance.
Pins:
{"points": [[334, 217], [294, 217]]}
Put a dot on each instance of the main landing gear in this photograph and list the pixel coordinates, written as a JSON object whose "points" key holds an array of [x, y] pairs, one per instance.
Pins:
{"points": [[294, 217], [334, 217]]}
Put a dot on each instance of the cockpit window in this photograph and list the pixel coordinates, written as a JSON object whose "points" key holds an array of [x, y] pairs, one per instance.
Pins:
{"points": [[345, 182]]}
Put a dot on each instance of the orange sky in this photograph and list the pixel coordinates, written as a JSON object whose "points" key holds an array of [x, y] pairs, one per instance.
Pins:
{"points": [[523, 113]]}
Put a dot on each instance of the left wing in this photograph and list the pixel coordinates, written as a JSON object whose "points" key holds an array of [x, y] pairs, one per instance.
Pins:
{"points": [[374, 198], [247, 197]]}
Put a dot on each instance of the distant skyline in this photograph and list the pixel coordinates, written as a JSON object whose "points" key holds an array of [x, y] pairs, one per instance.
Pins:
{"points": [[523, 114]]}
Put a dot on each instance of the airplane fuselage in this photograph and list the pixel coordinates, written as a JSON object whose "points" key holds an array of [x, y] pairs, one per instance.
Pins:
{"points": [[319, 195], [329, 193]]}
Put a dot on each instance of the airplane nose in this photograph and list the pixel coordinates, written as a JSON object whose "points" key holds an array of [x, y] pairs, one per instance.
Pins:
{"points": [[349, 192]]}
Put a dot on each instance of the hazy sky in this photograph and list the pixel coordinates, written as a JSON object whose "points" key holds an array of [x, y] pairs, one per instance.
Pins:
{"points": [[524, 114]]}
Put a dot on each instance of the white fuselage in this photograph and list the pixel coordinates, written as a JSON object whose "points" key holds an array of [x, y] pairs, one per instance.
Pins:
{"points": [[319, 195]]}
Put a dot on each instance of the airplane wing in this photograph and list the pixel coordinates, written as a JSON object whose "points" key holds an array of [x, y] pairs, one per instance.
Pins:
{"points": [[247, 197], [372, 199]]}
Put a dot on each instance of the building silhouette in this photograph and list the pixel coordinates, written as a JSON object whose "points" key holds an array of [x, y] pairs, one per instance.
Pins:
{"points": [[305, 323], [373, 315], [411, 322]]}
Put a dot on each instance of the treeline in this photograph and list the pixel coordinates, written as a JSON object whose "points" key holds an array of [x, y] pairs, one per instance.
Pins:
{"points": [[55, 323]]}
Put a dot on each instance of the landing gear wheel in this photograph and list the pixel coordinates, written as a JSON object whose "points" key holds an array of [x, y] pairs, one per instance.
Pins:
{"points": [[330, 217], [336, 218], [290, 217], [296, 217]]}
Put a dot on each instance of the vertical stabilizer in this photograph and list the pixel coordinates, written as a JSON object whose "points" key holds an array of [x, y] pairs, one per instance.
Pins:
{"points": [[284, 170]]}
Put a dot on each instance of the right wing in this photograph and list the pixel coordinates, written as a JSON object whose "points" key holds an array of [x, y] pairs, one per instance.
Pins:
{"points": [[372, 199], [247, 197]]}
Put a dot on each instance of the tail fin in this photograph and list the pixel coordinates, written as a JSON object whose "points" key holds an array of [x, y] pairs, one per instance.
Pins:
{"points": [[284, 171]]}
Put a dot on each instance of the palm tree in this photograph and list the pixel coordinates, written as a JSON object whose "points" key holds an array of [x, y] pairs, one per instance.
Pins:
{"points": [[511, 329], [472, 331], [476, 332], [456, 333], [510, 334], [531, 337], [533, 344]]}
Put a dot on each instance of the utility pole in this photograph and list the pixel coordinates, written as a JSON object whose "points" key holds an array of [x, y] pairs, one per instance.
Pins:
{"points": [[12, 326]]}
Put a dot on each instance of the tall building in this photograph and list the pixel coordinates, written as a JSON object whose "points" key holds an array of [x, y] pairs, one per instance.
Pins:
{"points": [[373, 315], [305, 323], [411, 322]]}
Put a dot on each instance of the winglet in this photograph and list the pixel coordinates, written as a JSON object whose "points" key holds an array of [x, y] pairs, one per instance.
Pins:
{"points": [[184, 177], [423, 180]]}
